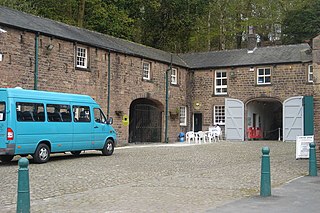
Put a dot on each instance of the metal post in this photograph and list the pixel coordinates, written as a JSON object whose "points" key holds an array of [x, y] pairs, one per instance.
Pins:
{"points": [[109, 76], [265, 185], [312, 160], [279, 133], [168, 73], [36, 64], [23, 200]]}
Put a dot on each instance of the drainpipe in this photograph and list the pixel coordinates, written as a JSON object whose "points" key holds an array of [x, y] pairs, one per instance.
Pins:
{"points": [[109, 74], [168, 73], [36, 64]]}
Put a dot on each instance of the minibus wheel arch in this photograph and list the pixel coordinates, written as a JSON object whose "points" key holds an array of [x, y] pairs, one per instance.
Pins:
{"points": [[108, 147], [42, 152]]}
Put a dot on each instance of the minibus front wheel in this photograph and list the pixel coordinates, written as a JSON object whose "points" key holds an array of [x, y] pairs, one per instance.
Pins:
{"points": [[108, 147], [42, 153]]}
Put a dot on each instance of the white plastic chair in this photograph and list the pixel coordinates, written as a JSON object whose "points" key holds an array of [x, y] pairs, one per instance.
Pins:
{"points": [[190, 136], [201, 137], [216, 132], [211, 137]]}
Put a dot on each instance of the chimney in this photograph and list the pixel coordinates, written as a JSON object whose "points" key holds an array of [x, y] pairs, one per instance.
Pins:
{"points": [[252, 40]]}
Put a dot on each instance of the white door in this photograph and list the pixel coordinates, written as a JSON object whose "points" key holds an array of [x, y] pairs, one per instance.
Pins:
{"points": [[234, 126], [292, 118]]}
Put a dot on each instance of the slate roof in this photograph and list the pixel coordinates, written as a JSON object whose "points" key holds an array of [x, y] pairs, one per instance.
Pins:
{"points": [[240, 57], [24, 21], [216, 59]]}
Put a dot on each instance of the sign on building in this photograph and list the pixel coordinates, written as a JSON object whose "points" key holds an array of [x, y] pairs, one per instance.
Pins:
{"points": [[302, 146]]}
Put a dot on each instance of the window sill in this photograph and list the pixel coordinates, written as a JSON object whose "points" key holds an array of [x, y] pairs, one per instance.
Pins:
{"points": [[83, 69], [219, 95], [263, 85]]}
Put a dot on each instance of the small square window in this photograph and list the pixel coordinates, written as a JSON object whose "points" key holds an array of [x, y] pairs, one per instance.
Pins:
{"points": [[146, 70], [310, 73], [219, 115], [82, 57], [264, 76], [221, 83], [183, 116], [174, 76]]}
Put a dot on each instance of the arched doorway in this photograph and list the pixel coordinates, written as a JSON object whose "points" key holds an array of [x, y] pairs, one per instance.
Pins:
{"points": [[145, 121], [264, 119]]}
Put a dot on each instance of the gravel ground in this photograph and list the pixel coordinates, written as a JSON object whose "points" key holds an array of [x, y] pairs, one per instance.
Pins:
{"points": [[151, 178]]}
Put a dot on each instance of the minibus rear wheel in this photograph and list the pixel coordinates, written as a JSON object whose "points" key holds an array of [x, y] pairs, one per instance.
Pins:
{"points": [[108, 147], [6, 158], [42, 153]]}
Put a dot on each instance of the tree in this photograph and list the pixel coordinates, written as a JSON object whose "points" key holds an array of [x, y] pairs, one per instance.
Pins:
{"points": [[302, 24]]}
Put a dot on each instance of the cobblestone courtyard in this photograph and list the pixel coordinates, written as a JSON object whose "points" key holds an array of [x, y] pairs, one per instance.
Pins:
{"points": [[151, 178]]}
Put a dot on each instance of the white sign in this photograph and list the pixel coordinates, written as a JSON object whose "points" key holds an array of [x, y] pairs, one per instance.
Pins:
{"points": [[302, 146]]}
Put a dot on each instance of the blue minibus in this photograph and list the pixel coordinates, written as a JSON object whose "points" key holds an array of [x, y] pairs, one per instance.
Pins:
{"points": [[39, 123]]}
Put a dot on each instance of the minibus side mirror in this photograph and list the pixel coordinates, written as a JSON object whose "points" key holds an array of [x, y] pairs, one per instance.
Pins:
{"points": [[109, 121]]}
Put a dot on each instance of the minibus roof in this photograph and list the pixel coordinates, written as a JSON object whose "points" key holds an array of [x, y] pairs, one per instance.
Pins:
{"points": [[45, 95]]}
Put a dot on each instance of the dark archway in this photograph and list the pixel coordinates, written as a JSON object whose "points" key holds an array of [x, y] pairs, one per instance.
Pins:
{"points": [[145, 121], [264, 118]]}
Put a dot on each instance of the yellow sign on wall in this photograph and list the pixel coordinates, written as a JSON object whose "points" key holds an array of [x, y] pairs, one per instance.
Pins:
{"points": [[125, 120]]}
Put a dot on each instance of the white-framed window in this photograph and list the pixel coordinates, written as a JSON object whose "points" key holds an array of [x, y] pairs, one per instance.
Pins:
{"points": [[174, 76], [82, 57], [221, 83], [219, 115], [310, 73], [183, 116], [146, 66], [263, 76]]}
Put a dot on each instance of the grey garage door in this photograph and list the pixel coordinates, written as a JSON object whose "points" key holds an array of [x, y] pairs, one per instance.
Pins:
{"points": [[234, 126]]}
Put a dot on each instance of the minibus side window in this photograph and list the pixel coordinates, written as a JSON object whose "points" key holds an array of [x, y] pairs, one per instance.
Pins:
{"points": [[28, 112], [58, 113], [81, 114], [99, 116], [2, 111]]}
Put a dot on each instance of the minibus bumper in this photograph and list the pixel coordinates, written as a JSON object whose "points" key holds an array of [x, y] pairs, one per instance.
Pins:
{"points": [[9, 150]]}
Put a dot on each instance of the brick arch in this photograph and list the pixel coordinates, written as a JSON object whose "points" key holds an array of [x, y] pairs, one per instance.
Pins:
{"points": [[150, 97]]}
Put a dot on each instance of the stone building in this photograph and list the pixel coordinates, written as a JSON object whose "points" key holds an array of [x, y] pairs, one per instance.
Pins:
{"points": [[265, 92]]}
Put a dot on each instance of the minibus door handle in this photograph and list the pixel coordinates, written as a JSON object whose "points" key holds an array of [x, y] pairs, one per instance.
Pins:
{"points": [[96, 127]]}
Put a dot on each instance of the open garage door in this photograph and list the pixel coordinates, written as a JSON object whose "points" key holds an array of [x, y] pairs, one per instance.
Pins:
{"points": [[292, 118], [234, 126]]}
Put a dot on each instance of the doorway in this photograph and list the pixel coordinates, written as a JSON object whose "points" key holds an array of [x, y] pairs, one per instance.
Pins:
{"points": [[197, 122]]}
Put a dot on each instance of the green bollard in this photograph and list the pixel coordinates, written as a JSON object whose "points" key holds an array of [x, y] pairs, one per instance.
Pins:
{"points": [[265, 184], [23, 201], [312, 160]]}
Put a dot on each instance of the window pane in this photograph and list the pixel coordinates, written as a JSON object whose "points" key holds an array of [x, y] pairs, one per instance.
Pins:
{"points": [[260, 71], [99, 116], [58, 113], [28, 112], [267, 79], [81, 114], [2, 111], [267, 72]]}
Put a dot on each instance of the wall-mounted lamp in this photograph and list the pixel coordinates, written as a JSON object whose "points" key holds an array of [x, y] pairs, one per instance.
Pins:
{"points": [[232, 74], [49, 47], [2, 30]]}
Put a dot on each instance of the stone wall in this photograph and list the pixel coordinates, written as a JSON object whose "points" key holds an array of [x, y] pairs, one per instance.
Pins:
{"points": [[57, 72], [287, 80], [316, 79]]}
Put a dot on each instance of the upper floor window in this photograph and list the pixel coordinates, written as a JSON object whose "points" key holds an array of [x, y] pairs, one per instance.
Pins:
{"points": [[146, 70], [263, 76], [183, 116], [82, 57], [174, 76], [310, 73], [219, 115], [221, 85]]}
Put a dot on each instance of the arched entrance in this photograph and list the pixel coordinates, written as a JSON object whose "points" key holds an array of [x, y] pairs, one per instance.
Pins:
{"points": [[264, 119], [145, 121]]}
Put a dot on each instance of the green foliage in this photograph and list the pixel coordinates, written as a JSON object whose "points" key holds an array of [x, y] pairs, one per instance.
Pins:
{"points": [[302, 24], [184, 25]]}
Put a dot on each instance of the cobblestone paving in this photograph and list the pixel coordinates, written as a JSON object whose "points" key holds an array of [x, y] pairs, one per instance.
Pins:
{"points": [[172, 178]]}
